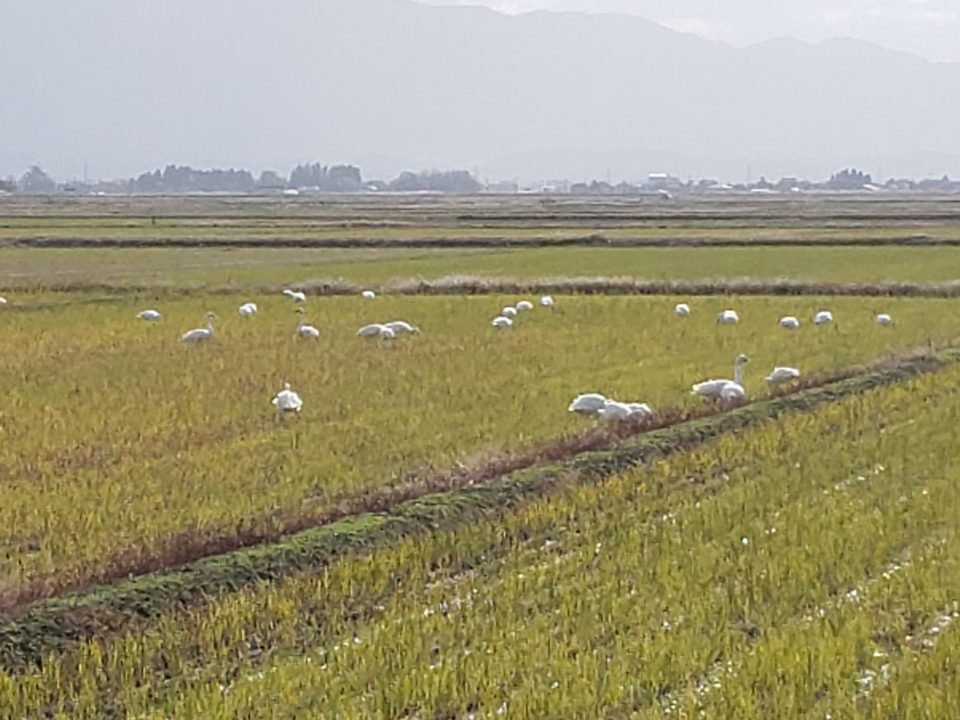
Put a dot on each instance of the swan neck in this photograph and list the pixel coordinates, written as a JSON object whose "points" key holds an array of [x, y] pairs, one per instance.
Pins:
{"points": [[738, 373]]}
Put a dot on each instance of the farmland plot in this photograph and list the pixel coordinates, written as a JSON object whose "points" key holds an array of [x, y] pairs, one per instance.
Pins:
{"points": [[804, 567], [125, 450]]}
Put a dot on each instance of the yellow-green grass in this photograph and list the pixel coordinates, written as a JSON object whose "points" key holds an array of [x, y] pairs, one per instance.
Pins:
{"points": [[176, 269], [199, 267], [760, 576], [359, 223], [119, 439]]}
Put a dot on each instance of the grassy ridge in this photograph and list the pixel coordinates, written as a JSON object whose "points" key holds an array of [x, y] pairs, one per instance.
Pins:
{"points": [[54, 625]]}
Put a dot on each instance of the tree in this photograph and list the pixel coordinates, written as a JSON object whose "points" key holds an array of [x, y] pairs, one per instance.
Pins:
{"points": [[453, 181], [269, 180], [849, 179], [36, 180], [339, 178]]}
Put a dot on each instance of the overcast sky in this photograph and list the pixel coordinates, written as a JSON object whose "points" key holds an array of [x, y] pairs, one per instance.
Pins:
{"points": [[930, 28], [120, 87]]}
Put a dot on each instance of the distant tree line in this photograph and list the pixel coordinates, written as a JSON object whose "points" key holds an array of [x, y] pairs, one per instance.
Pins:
{"points": [[454, 181], [320, 178], [339, 178], [174, 179]]}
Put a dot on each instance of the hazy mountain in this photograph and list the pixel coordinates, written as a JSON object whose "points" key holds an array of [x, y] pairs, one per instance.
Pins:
{"points": [[389, 84], [928, 28]]}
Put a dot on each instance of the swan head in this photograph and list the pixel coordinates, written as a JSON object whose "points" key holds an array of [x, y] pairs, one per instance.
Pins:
{"points": [[211, 316], [300, 311], [741, 359], [286, 385]]}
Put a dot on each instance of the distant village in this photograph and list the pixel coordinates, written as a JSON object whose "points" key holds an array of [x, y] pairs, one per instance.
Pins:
{"points": [[318, 179]]}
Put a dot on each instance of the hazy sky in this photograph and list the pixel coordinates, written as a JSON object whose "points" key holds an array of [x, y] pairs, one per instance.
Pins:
{"points": [[930, 28], [123, 87]]}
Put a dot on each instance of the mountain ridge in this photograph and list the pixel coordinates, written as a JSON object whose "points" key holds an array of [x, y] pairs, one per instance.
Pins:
{"points": [[237, 83]]}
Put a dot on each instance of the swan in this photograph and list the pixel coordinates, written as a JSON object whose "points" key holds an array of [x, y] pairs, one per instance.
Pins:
{"points": [[287, 400], [400, 327], [502, 323], [823, 317], [295, 295], [368, 295], [546, 301], [524, 306], [782, 375], [789, 322], [372, 330], [682, 309], [509, 312], [148, 315], [248, 309], [728, 317], [732, 393], [639, 411], [587, 404], [387, 333], [884, 319], [200, 334], [613, 411], [3, 301], [304, 330], [714, 388]]}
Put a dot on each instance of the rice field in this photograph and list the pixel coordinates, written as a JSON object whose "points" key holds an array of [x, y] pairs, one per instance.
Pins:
{"points": [[176, 269], [132, 444], [433, 535], [787, 571]]}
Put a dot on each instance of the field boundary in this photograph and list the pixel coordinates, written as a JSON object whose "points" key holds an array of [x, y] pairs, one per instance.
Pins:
{"points": [[499, 285], [468, 241], [479, 285], [53, 625]]}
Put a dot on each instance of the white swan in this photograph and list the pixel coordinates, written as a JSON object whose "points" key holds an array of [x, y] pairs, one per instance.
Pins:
{"points": [[509, 312], [546, 301], [587, 404], [368, 295], [287, 400], [372, 330], [613, 411], [823, 317], [732, 392], [248, 309], [782, 375], [304, 330], [524, 306], [682, 309], [400, 327], [3, 301], [295, 295], [148, 315], [789, 322], [884, 319], [714, 388], [200, 334], [502, 323], [639, 411], [728, 317]]}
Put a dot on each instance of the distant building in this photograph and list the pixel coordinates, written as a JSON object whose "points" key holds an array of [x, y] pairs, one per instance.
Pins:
{"points": [[662, 181]]}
